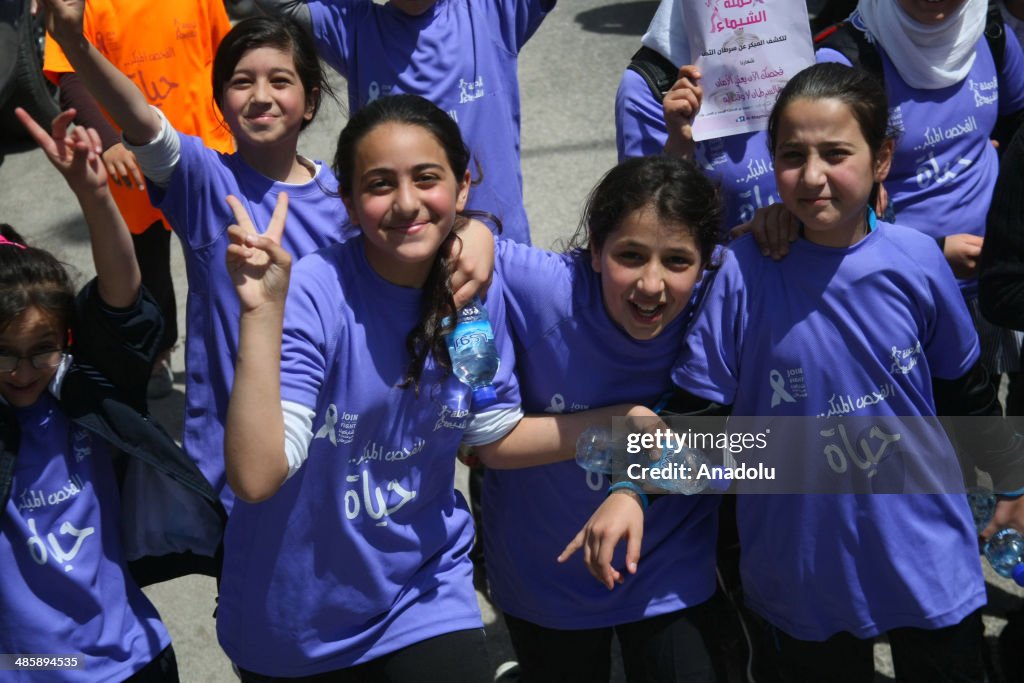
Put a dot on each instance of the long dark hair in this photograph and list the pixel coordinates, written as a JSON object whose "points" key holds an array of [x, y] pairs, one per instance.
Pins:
{"points": [[428, 337], [31, 277], [674, 188]]}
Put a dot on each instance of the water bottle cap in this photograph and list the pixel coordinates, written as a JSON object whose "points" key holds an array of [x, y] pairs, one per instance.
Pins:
{"points": [[1018, 574], [484, 397]]}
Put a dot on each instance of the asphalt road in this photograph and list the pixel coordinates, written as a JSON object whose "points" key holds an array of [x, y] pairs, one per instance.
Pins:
{"points": [[569, 73]]}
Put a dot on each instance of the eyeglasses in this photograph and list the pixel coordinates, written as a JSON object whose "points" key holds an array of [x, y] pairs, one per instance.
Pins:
{"points": [[43, 360]]}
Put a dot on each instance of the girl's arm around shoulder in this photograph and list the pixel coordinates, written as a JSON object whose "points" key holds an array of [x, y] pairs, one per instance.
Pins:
{"points": [[473, 254], [254, 435], [545, 439]]}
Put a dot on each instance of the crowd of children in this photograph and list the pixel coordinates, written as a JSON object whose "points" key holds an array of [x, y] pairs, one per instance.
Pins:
{"points": [[322, 414]]}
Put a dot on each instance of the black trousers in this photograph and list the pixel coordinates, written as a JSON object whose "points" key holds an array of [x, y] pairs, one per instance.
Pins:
{"points": [[662, 649], [458, 656], [153, 252], [951, 654], [163, 669]]}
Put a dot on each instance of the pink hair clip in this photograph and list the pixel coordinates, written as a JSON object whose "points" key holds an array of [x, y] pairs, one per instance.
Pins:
{"points": [[4, 240]]}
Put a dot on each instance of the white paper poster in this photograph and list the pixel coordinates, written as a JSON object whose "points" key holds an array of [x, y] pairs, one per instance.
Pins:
{"points": [[747, 50]]}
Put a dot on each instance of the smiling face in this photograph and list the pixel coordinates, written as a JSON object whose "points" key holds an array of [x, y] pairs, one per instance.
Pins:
{"points": [[648, 270], [405, 197], [32, 332], [825, 170], [264, 101], [930, 12]]}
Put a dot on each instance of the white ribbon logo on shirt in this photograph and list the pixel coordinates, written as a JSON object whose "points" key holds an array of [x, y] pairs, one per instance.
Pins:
{"points": [[330, 420], [778, 384], [557, 404]]}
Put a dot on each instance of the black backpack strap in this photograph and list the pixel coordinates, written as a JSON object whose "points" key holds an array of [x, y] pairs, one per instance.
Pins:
{"points": [[10, 439], [658, 72], [995, 33], [852, 43]]}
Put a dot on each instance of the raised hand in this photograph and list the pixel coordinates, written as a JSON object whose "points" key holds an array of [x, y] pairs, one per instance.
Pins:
{"points": [[122, 167], [681, 104], [75, 154], [258, 265], [64, 19]]}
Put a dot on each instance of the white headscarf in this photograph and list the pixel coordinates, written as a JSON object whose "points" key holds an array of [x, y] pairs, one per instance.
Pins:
{"points": [[666, 34], [926, 57]]}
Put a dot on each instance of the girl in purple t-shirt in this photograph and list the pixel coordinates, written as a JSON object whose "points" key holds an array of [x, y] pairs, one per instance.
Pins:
{"points": [[597, 325], [66, 589], [347, 548], [828, 573]]}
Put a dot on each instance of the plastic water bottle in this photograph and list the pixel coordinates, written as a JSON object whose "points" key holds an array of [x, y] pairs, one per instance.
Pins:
{"points": [[1005, 552], [682, 479], [473, 353], [595, 450]]}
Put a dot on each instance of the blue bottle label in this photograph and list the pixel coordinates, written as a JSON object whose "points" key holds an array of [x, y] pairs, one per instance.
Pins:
{"points": [[476, 332]]}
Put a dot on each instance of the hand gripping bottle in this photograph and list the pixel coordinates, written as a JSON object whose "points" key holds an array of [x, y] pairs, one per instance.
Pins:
{"points": [[473, 353], [1005, 550]]}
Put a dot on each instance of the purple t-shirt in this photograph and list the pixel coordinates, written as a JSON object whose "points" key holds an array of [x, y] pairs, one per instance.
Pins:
{"points": [[65, 587], [570, 356], [194, 204], [364, 550], [885, 312], [459, 54], [740, 164], [944, 169]]}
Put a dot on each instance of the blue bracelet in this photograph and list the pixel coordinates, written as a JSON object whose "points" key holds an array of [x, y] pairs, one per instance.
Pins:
{"points": [[1010, 495], [630, 486]]}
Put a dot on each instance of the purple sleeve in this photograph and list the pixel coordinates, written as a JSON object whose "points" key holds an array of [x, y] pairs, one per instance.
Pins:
{"points": [[506, 384], [639, 118], [708, 366], [951, 342], [305, 345], [332, 22], [537, 283], [1011, 76], [827, 55], [519, 19], [193, 202]]}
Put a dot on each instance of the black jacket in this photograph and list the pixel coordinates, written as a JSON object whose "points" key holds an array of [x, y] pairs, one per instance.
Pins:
{"points": [[172, 520]]}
